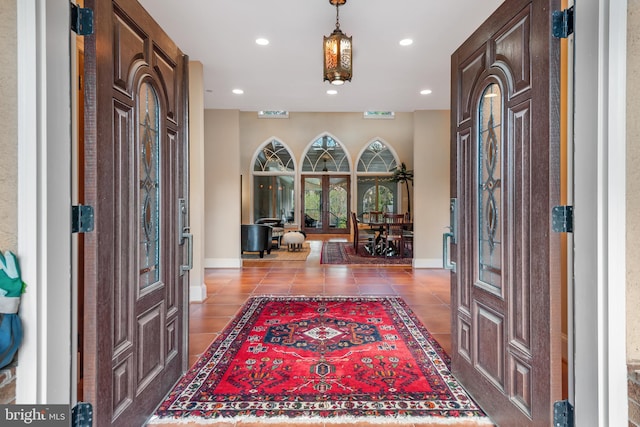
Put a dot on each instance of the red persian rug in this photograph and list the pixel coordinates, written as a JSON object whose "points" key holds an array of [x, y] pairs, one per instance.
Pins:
{"points": [[331, 359], [344, 253]]}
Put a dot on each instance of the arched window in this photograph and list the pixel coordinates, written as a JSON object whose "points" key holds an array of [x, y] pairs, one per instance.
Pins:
{"points": [[325, 155], [273, 182], [376, 190]]}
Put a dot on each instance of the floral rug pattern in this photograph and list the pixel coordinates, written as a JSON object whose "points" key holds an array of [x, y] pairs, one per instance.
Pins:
{"points": [[344, 253], [321, 358]]}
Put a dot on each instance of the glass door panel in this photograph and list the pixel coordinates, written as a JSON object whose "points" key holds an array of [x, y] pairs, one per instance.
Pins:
{"points": [[338, 209], [312, 193], [325, 203]]}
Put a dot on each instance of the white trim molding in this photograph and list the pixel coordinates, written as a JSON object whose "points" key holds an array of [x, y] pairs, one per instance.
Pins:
{"points": [[427, 263], [222, 263], [599, 230], [197, 293], [44, 201]]}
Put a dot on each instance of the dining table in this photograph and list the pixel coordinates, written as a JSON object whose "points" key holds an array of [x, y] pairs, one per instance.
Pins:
{"points": [[378, 245]]}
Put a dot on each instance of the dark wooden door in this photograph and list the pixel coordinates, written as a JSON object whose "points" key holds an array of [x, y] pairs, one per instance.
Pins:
{"points": [[505, 176], [135, 175], [325, 203]]}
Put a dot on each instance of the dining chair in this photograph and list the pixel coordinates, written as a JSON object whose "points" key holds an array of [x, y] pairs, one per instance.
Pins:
{"points": [[394, 218], [394, 236], [376, 217], [394, 239], [359, 235]]}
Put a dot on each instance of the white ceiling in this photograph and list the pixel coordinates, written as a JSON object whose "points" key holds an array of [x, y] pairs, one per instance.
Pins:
{"points": [[287, 74]]}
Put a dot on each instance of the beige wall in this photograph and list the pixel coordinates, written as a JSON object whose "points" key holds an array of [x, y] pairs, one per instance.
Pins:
{"points": [[633, 183], [431, 185], [197, 289], [222, 183], [9, 134], [420, 139], [300, 129]]}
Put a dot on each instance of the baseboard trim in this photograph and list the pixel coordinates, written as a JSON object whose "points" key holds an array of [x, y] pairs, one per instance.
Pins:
{"points": [[222, 263], [197, 293], [427, 263]]}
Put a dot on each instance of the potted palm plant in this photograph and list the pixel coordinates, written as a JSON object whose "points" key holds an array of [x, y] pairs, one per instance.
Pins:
{"points": [[403, 175]]}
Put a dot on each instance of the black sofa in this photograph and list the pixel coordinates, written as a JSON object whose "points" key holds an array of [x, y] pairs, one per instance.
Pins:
{"points": [[255, 238]]}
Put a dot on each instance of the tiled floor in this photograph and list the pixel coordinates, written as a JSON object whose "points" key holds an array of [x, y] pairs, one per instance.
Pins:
{"points": [[425, 290]]}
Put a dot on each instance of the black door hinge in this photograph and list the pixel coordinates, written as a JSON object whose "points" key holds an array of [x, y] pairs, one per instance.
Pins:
{"points": [[81, 20], [562, 23], [562, 219], [563, 414], [81, 219], [82, 415]]}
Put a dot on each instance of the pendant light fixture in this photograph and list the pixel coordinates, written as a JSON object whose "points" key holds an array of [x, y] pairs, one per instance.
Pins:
{"points": [[337, 52]]}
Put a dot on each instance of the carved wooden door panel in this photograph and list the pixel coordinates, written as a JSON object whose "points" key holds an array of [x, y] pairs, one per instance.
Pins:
{"points": [[505, 177], [135, 154]]}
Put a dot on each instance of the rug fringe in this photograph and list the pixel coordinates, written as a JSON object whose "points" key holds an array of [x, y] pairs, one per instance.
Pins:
{"points": [[481, 421]]}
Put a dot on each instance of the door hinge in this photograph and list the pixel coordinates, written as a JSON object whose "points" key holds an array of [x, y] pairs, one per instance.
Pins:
{"points": [[82, 415], [81, 20], [562, 219], [562, 23], [81, 219], [563, 414]]}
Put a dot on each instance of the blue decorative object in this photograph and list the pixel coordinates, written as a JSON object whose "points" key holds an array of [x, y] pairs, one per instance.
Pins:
{"points": [[11, 288]]}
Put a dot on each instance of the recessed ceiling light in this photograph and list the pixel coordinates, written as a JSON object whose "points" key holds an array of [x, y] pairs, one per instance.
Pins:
{"points": [[425, 92], [332, 92], [262, 41], [238, 91], [406, 42]]}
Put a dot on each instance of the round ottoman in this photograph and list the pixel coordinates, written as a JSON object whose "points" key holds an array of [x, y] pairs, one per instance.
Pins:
{"points": [[293, 240]]}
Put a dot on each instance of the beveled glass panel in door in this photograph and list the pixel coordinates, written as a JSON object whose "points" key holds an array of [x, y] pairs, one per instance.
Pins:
{"points": [[149, 165], [489, 198]]}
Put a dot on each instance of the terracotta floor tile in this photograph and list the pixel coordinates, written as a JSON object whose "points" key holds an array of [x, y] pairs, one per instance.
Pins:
{"points": [[416, 296], [444, 340], [234, 289], [376, 290], [272, 289], [198, 343], [202, 325], [307, 289], [194, 308], [341, 290], [193, 359], [212, 309], [227, 299]]}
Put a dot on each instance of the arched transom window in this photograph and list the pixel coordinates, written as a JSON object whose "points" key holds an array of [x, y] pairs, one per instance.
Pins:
{"points": [[273, 157], [377, 158], [325, 155], [376, 189]]}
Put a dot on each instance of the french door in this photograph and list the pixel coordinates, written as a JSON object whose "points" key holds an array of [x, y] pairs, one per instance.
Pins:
{"points": [[505, 180], [325, 203]]}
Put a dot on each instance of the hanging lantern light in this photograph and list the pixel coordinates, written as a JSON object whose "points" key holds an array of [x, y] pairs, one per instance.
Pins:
{"points": [[337, 52]]}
